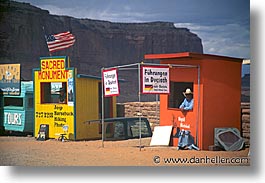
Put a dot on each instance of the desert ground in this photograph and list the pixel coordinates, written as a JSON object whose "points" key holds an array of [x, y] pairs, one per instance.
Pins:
{"points": [[27, 151]]}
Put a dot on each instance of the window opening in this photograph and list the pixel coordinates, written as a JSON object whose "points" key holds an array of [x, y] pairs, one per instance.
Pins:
{"points": [[13, 101], [176, 96], [53, 92]]}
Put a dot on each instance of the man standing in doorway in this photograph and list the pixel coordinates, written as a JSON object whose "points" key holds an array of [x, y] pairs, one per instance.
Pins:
{"points": [[62, 96], [187, 103]]}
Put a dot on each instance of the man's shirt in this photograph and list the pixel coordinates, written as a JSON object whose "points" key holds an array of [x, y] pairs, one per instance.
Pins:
{"points": [[187, 105]]}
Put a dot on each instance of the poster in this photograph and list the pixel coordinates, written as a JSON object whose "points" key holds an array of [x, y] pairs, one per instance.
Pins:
{"points": [[70, 88], [55, 87], [155, 80], [10, 79], [111, 85]]}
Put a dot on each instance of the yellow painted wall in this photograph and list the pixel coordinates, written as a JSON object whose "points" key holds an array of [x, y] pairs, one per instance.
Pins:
{"points": [[86, 107], [55, 115]]}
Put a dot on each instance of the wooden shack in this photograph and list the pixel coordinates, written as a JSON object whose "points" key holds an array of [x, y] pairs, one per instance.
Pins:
{"points": [[216, 85], [80, 101]]}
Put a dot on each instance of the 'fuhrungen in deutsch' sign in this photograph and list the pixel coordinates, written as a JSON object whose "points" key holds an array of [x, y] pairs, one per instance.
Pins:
{"points": [[155, 80]]}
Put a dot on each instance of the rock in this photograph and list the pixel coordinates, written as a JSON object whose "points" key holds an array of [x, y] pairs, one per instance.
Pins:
{"points": [[246, 111], [245, 118], [246, 127], [98, 43]]}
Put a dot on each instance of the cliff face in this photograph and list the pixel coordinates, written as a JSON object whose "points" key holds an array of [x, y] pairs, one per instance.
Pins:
{"points": [[98, 43], [245, 88]]}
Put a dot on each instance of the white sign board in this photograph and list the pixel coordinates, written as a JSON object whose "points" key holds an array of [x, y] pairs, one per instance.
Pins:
{"points": [[155, 80], [111, 85], [161, 136]]}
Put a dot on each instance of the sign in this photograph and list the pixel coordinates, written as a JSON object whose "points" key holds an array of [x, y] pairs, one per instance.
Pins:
{"points": [[55, 87], [70, 88], [43, 132], [10, 79], [13, 118], [183, 123], [111, 85], [53, 68], [161, 136], [155, 80], [59, 115]]}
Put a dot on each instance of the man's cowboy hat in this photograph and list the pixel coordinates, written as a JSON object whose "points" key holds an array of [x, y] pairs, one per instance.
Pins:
{"points": [[187, 92]]}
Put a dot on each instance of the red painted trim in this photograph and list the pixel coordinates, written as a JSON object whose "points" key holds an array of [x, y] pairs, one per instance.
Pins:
{"points": [[166, 56], [190, 55]]}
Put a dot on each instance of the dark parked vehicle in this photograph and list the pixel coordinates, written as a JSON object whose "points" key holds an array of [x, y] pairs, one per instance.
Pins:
{"points": [[124, 128]]}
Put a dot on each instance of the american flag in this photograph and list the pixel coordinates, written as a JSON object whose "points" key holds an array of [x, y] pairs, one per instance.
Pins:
{"points": [[60, 41]]}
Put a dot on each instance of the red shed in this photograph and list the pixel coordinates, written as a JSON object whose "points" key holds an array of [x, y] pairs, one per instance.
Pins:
{"points": [[216, 86]]}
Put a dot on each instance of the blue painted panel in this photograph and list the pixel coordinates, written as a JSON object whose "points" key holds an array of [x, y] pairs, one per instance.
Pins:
{"points": [[18, 110], [14, 120]]}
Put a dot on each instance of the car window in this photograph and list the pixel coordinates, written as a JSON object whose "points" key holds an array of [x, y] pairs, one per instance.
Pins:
{"points": [[119, 129], [133, 128]]}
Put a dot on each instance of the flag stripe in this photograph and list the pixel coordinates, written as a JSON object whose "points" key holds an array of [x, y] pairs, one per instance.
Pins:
{"points": [[148, 89], [148, 86], [60, 48], [63, 33], [60, 41], [60, 44]]}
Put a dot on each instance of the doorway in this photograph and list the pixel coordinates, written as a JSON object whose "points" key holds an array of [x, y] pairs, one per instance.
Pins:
{"points": [[108, 104]]}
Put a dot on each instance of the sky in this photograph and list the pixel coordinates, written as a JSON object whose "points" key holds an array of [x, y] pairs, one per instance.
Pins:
{"points": [[223, 25], [254, 173]]}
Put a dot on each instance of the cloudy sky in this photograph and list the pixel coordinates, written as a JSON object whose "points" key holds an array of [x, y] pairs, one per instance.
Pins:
{"points": [[223, 25]]}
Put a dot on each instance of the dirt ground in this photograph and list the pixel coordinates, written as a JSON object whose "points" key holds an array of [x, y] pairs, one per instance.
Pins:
{"points": [[27, 151]]}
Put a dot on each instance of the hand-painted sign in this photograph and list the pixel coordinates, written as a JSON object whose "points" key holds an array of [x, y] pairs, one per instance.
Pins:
{"points": [[155, 80], [10, 79], [53, 69], [110, 81], [13, 118]]}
